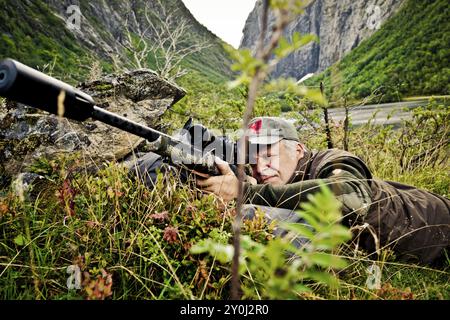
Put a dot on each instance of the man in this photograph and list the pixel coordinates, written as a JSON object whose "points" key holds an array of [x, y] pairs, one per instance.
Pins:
{"points": [[414, 223]]}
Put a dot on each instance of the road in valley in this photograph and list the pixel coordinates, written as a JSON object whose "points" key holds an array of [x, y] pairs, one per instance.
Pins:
{"points": [[387, 113]]}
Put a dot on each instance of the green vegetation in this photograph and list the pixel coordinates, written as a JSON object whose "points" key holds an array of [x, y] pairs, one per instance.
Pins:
{"points": [[130, 242], [409, 55], [103, 235], [135, 240], [54, 50], [33, 33]]}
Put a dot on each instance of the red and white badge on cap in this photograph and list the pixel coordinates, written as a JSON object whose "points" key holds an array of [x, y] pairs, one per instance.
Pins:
{"points": [[255, 127]]}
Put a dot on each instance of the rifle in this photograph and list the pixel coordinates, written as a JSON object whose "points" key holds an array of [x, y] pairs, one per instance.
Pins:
{"points": [[194, 150]]}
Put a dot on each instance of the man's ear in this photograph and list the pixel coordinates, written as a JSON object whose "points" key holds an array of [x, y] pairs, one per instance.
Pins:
{"points": [[300, 151]]}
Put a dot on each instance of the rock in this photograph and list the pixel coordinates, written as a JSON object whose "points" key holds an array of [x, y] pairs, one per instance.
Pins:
{"points": [[339, 25], [27, 134]]}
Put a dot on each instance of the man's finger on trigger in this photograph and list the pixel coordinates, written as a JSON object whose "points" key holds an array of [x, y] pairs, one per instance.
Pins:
{"points": [[200, 174]]}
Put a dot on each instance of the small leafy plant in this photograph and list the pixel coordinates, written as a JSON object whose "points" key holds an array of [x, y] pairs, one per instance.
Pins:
{"points": [[279, 270]]}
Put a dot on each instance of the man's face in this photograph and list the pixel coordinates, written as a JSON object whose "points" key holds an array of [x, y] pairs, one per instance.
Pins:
{"points": [[275, 164]]}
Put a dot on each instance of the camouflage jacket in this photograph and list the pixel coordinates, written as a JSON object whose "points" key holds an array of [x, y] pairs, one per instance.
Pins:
{"points": [[413, 222]]}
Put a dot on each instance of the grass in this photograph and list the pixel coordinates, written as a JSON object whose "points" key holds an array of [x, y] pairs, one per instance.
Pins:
{"points": [[111, 237], [399, 282], [129, 242], [105, 222], [414, 98]]}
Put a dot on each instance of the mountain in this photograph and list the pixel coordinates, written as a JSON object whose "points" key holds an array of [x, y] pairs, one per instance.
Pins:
{"points": [[408, 56], [339, 25], [393, 47], [51, 35]]}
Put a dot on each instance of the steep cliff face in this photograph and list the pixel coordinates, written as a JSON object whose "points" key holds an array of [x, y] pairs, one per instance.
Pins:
{"points": [[339, 25], [408, 56]]}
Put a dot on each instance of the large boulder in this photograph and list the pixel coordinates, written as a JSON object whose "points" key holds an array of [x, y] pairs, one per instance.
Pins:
{"points": [[28, 133]]}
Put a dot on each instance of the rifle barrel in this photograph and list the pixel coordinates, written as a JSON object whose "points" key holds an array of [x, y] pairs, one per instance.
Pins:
{"points": [[126, 124]]}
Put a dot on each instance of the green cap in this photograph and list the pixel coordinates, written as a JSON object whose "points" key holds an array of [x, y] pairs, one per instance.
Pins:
{"points": [[269, 130]]}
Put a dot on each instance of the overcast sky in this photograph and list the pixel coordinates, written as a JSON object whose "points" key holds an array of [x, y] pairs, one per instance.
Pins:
{"points": [[225, 18]]}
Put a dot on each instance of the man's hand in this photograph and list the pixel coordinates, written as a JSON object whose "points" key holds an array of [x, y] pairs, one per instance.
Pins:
{"points": [[225, 186]]}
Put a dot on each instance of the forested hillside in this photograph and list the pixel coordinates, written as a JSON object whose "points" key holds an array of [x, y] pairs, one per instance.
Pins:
{"points": [[39, 33], [408, 56]]}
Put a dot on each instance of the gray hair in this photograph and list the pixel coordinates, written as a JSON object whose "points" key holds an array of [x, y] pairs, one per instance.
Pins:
{"points": [[290, 145]]}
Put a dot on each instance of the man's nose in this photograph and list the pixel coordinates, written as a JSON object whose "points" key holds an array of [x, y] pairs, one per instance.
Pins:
{"points": [[262, 163]]}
